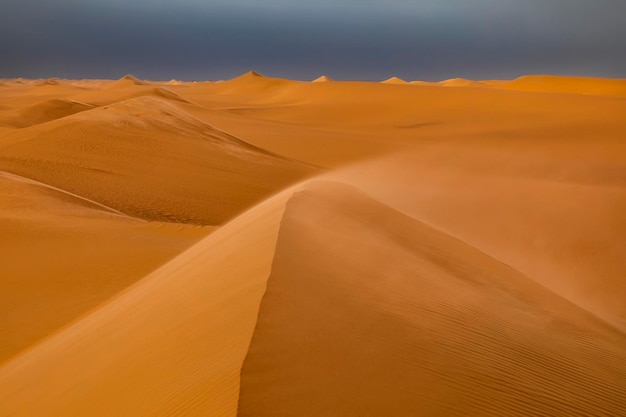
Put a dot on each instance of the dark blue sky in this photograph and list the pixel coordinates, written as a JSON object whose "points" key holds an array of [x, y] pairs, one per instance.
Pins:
{"points": [[349, 39]]}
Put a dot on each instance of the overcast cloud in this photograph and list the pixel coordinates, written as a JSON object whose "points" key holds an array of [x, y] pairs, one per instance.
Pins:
{"points": [[365, 39]]}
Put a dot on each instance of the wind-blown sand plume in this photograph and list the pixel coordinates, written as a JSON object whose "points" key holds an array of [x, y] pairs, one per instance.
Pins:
{"points": [[394, 80], [171, 345], [44, 111], [460, 82], [370, 312], [559, 208], [322, 79], [63, 255], [113, 155], [575, 85]]}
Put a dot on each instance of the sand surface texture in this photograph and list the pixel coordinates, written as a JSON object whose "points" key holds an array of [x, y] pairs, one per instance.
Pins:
{"points": [[269, 247]]}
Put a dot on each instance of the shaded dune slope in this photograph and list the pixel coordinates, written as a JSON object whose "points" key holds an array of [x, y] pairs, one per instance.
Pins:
{"points": [[370, 312], [113, 154]]}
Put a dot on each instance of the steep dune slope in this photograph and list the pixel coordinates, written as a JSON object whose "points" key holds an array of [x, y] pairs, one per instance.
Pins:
{"points": [[148, 158], [369, 312], [62, 256], [171, 345]]}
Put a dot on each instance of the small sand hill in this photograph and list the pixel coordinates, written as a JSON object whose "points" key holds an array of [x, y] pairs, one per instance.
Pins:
{"points": [[370, 312], [460, 82], [575, 85], [422, 83], [394, 80], [160, 92], [48, 81], [44, 111], [148, 158], [62, 255], [126, 82], [250, 82], [171, 345], [322, 79]]}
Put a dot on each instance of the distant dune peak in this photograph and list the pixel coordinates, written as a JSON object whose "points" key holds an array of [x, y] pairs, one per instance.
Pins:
{"points": [[127, 81], [394, 80], [130, 77], [322, 79], [252, 74]]}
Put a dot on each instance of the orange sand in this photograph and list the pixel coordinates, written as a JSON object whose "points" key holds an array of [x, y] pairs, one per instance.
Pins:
{"points": [[267, 247]]}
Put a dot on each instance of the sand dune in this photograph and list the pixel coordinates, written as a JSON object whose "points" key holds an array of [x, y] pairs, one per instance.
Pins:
{"points": [[322, 79], [171, 345], [64, 255], [370, 312], [44, 111], [394, 80], [445, 251], [160, 92], [250, 82], [113, 155], [460, 82], [126, 82]]}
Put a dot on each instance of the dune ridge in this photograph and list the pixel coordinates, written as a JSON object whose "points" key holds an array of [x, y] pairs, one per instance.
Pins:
{"points": [[206, 288]]}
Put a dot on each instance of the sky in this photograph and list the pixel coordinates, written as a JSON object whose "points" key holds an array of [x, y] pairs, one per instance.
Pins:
{"points": [[344, 39]]}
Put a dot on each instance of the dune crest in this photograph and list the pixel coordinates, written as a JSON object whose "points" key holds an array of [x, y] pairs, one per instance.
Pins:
{"points": [[175, 314]]}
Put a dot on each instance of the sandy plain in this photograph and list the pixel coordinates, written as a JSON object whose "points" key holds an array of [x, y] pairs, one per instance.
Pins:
{"points": [[268, 247]]}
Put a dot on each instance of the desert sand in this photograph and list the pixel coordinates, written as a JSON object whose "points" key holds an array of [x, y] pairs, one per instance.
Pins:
{"points": [[269, 247]]}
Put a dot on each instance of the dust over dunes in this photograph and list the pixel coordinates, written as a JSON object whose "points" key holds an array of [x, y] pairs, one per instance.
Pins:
{"points": [[268, 247]]}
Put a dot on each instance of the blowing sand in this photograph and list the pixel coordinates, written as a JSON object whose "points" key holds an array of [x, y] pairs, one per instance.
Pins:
{"points": [[268, 247]]}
